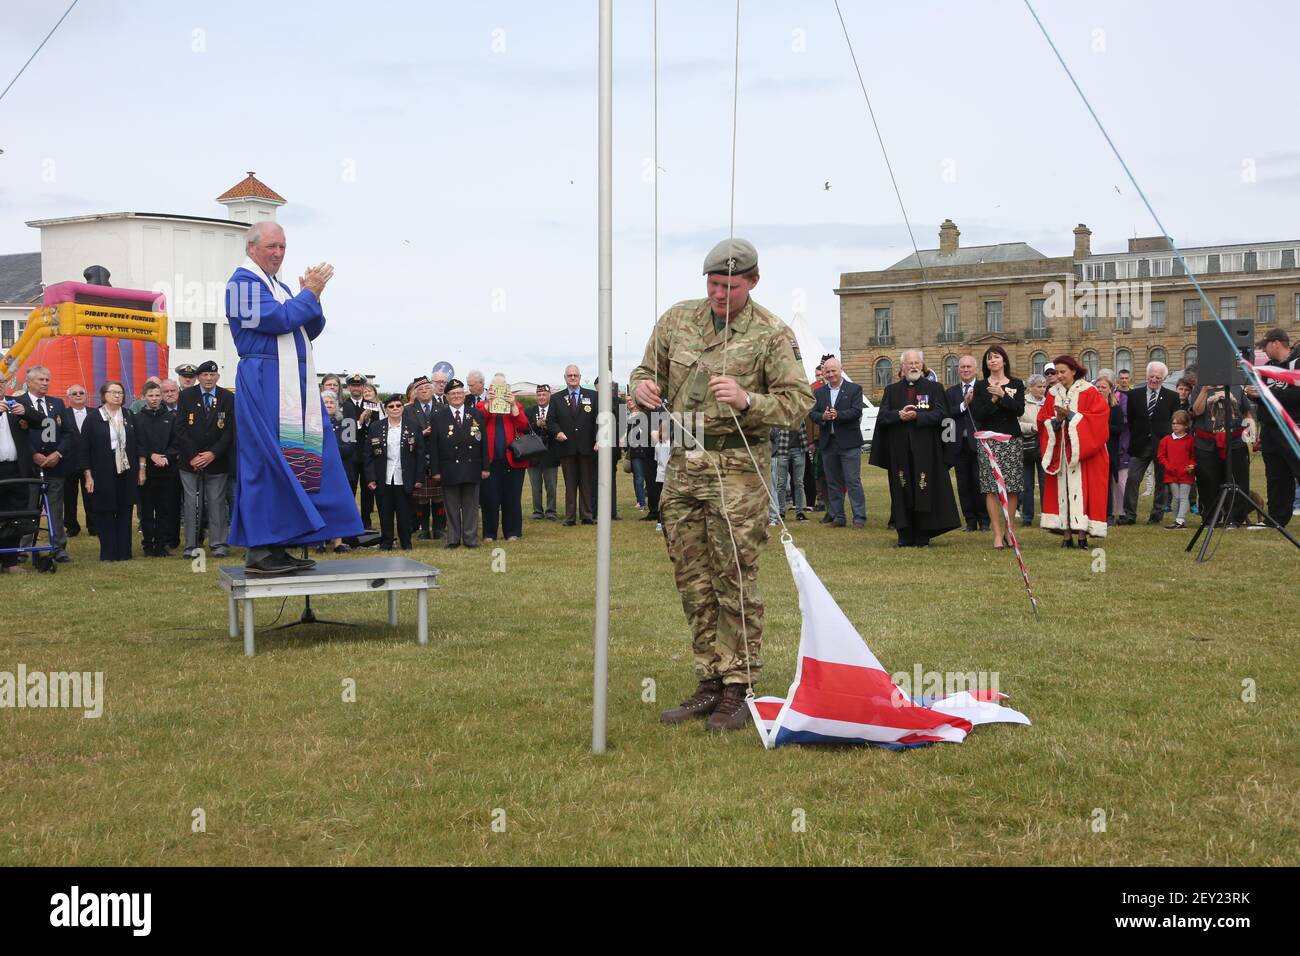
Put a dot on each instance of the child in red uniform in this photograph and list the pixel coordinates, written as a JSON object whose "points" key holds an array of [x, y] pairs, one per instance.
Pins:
{"points": [[1178, 458]]}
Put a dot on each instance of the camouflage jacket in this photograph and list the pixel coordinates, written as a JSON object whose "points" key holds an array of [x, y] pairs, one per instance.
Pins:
{"points": [[685, 351]]}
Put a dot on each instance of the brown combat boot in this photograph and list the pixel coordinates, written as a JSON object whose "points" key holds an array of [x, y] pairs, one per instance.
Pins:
{"points": [[732, 713], [699, 704]]}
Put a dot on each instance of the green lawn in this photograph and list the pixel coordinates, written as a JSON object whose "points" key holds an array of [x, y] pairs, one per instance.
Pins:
{"points": [[1134, 682]]}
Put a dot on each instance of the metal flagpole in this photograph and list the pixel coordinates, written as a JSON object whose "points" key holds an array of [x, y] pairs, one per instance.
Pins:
{"points": [[605, 427]]}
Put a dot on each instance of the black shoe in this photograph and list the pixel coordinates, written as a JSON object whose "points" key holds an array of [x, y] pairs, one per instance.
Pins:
{"points": [[385, 546], [1124, 519], [552, 517], [423, 536], [271, 565], [569, 522], [827, 519], [301, 564], [72, 532], [647, 517], [838, 523], [1068, 542], [970, 527], [588, 520], [800, 517], [1154, 519], [62, 557], [984, 526]]}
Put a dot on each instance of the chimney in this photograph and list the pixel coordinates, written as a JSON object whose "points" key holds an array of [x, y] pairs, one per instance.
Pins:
{"points": [[1082, 242], [948, 234]]}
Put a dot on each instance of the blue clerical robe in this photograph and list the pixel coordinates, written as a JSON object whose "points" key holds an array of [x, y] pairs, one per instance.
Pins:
{"points": [[271, 507]]}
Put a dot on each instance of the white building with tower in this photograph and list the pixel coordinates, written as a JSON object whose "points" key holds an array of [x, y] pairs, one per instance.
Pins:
{"points": [[189, 258]]}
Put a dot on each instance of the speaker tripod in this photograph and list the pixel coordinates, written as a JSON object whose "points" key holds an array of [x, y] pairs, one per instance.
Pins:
{"points": [[308, 616], [1230, 496]]}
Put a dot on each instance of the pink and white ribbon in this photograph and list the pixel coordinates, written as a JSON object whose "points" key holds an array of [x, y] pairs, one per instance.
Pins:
{"points": [[1291, 377], [984, 438]]}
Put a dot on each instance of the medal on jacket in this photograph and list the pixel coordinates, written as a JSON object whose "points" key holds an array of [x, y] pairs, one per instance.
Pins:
{"points": [[191, 421], [923, 402], [221, 419]]}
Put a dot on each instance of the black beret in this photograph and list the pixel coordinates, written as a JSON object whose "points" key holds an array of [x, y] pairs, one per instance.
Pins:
{"points": [[455, 383], [208, 366]]}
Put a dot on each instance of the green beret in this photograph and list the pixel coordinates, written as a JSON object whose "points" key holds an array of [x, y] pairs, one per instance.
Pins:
{"points": [[731, 257]]}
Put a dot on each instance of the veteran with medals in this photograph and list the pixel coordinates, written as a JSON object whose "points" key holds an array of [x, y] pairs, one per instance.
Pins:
{"points": [[291, 488], [457, 460], [908, 444]]}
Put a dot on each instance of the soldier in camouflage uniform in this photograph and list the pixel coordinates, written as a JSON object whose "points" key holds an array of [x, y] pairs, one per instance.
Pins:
{"points": [[760, 377]]}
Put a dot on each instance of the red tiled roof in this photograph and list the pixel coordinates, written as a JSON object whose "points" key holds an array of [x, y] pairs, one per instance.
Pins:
{"points": [[251, 187]]}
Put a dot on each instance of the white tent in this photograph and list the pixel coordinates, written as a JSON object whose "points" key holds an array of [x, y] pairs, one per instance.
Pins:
{"points": [[811, 347]]}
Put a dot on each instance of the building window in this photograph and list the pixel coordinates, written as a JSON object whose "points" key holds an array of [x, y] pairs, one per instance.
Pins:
{"points": [[1191, 313], [1088, 316], [882, 324], [950, 370], [1196, 264], [1265, 309], [1269, 259], [1123, 320], [1037, 320], [993, 316], [1123, 361], [951, 322], [182, 335], [1189, 356], [1126, 269], [1157, 312], [1089, 360], [884, 373], [1094, 270], [1232, 261], [1162, 267], [210, 336], [1227, 307], [7, 334], [1158, 355], [1038, 361]]}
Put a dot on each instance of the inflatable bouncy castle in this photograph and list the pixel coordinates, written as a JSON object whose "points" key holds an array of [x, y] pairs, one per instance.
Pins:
{"points": [[89, 334]]}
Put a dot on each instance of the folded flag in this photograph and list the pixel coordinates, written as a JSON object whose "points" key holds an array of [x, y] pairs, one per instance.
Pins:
{"points": [[842, 694]]}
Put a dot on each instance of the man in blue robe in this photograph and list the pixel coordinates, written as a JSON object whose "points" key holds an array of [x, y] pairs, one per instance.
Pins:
{"points": [[291, 488]]}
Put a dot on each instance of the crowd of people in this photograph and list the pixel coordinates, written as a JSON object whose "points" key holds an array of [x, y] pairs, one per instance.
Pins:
{"points": [[443, 460], [1086, 446]]}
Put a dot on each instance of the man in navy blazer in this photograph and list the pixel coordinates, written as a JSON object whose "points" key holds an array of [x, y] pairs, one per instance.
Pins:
{"points": [[962, 452], [838, 413], [54, 449]]}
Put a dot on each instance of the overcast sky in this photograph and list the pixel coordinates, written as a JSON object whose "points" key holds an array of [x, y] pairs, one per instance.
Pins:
{"points": [[443, 156]]}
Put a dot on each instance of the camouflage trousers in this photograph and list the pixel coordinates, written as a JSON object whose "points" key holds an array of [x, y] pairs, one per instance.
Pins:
{"points": [[704, 559]]}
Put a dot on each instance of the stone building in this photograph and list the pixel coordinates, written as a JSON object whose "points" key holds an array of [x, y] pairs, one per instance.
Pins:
{"points": [[1114, 310]]}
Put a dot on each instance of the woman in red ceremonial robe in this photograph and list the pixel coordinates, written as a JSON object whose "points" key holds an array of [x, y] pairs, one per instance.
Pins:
{"points": [[1073, 428]]}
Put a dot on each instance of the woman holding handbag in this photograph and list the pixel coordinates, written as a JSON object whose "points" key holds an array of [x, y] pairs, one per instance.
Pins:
{"points": [[503, 489]]}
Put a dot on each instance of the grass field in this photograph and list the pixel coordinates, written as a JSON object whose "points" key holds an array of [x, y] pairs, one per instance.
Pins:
{"points": [[1134, 682]]}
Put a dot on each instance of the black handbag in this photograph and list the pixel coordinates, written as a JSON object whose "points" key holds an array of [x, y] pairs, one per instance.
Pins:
{"points": [[526, 445]]}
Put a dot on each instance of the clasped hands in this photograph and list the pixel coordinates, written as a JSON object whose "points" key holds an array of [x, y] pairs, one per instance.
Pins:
{"points": [[316, 278]]}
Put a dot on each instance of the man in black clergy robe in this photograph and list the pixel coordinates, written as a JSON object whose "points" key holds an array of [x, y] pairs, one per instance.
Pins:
{"points": [[908, 444]]}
